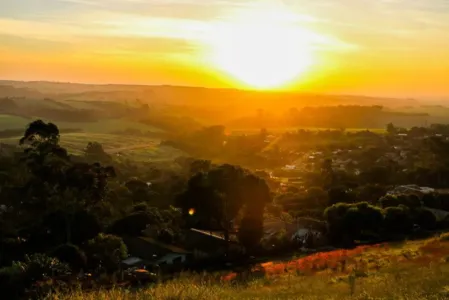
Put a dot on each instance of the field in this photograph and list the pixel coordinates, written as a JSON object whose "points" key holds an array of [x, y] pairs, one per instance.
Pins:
{"points": [[13, 122], [102, 126], [238, 131], [409, 270], [135, 148]]}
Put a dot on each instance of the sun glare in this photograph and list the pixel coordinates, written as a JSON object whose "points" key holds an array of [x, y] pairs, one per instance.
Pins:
{"points": [[263, 49]]}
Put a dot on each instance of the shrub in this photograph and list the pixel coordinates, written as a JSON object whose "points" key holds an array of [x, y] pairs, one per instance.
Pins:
{"points": [[444, 237], [431, 201], [351, 221], [71, 255], [425, 219], [388, 201], [39, 266], [105, 252], [12, 283], [140, 207], [398, 219]]}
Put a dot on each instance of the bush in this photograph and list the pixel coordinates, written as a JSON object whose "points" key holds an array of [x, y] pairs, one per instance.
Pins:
{"points": [[71, 255], [12, 284], [105, 252], [398, 220], [141, 207], [352, 221], [20, 276], [431, 201], [39, 266], [425, 219], [388, 201], [278, 242]]}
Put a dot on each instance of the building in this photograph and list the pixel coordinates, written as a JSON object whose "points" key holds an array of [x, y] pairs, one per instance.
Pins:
{"points": [[204, 243], [150, 252]]}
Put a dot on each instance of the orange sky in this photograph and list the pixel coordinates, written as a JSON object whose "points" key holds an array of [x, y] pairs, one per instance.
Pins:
{"points": [[384, 47]]}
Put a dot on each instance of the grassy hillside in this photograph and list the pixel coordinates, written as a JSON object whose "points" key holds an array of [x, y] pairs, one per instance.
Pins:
{"points": [[102, 126], [132, 147], [409, 270]]}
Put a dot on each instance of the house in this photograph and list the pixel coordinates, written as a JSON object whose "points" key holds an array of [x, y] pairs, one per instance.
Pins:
{"points": [[204, 243], [131, 262], [299, 230], [150, 252]]}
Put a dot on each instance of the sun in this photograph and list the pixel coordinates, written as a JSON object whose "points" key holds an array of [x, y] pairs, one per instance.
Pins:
{"points": [[263, 50]]}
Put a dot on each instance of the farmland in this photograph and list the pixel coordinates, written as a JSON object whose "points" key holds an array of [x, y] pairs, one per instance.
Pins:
{"points": [[122, 146], [101, 126]]}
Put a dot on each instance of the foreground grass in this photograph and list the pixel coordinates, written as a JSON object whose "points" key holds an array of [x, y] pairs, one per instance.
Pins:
{"points": [[395, 283], [415, 270]]}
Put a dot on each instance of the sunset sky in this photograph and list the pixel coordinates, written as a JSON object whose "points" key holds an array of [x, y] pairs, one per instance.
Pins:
{"points": [[373, 47]]}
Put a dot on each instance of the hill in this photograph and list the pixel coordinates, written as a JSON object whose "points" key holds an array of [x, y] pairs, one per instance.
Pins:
{"points": [[187, 95], [408, 270], [233, 108]]}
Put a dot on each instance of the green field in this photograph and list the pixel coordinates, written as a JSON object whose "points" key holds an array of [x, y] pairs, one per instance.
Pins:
{"points": [[131, 147], [13, 122], [102, 126]]}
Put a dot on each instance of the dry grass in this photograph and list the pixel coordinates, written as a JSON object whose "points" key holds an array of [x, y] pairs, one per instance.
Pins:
{"points": [[416, 270]]}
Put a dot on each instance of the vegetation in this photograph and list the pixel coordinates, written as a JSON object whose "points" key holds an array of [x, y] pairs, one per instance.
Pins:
{"points": [[412, 270], [167, 184]]}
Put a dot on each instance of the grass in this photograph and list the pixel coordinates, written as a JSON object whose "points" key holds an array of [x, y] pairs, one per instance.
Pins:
{"points": [[132, 147], [102, 126], [13, 122], [413, 270]]}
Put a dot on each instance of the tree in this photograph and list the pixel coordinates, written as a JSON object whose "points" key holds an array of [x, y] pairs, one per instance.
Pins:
{"points": [[340, 194], [391, 129], [54, 183], [131, 225], [353, 221], [40, 132], [216, 197], [328, 173], [371, 193], [250, 232], [94, 152], [106, 252], [71, 255]]}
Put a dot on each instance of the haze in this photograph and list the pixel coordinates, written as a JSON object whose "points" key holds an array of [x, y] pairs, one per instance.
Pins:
{"points": [[390, 48]]}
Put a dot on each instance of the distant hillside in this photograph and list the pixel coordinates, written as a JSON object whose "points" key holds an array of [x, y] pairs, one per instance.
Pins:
{"points": [[177, 107], [186, 95]]}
